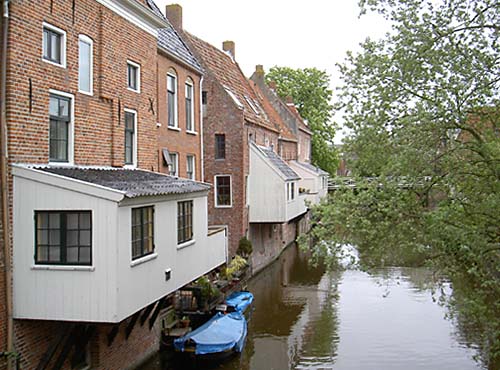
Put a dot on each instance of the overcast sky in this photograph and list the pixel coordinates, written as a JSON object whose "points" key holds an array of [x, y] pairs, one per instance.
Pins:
{"points": [[293, 33]]}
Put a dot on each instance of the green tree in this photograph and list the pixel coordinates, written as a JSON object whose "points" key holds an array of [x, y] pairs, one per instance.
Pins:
{"points": [[423, 106], [309, 88]]}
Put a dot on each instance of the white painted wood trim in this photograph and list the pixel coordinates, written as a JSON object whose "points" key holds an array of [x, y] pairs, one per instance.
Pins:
{"points": [[71, 131]]}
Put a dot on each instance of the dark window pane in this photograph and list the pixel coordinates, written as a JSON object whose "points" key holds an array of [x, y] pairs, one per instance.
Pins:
{"points": [[84, 237], [85, 256], [72, 254], [43, 253], [220, 146], [85, 220], [142, 231]]}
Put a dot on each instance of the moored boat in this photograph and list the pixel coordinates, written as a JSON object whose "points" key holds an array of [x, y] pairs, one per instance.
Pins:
{"points": [[239, 301]]}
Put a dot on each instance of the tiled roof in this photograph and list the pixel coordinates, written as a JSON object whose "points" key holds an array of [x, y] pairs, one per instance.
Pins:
{"points": [[279, 163], [229, 75], [302, 125], [274, 116], [134, 182], [313, 168], [169, 39]]}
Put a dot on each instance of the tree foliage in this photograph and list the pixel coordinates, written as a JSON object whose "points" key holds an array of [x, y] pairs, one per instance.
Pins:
{"points": [[423, 107], [309, 88]]}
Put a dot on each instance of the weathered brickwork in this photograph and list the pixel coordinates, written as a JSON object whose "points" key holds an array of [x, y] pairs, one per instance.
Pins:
{"points": [[180, 141]]}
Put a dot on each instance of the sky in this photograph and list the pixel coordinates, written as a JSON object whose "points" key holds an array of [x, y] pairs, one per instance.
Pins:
{"points": [[292, 33]]}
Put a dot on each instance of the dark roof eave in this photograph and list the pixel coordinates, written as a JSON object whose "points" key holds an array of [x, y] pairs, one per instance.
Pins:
{"points": [[179, 60]]}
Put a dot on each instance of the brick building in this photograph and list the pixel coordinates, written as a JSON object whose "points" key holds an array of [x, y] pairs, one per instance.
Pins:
{"points": [[99, 238], [255, 193]]}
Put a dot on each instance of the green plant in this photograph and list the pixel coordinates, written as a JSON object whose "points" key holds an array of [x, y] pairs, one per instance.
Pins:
{"points": [[206, 287], [244, 247], [236, 264]]}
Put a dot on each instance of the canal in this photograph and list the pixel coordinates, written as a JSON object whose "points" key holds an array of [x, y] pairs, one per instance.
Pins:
{"points": [[307, 318]]}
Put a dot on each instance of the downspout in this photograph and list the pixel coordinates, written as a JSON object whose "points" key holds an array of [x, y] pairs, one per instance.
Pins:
{"points": [[201, 131], [4, 160]]}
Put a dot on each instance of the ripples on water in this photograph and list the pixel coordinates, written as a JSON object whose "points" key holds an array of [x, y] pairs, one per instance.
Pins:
{"points": [[305, 318]]}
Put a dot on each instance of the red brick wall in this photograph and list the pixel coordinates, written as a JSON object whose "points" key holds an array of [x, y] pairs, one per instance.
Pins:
{"points": [[180, 142], [288, 150], [99, 134]]}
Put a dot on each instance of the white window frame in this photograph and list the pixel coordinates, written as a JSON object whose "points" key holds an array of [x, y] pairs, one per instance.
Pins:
{"points": [[138, 66], [63, 44], [134, 151], [193, 158], [176, 102], [71, 129], [190, 84], [230, 205], [176, 161], [90, 42]]}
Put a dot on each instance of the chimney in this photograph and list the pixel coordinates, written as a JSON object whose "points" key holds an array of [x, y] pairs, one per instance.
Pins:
{"points": [[259, 72], [229, 47], [289, 100], [174, 15]]}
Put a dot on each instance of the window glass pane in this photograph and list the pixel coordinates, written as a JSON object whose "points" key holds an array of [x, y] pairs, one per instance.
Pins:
{"points": [[72, 221], [46, 37], [42, 237], [171, 83], [54, 220], [72, 238], [85, 237], [42, 220], [85, 255], [55, 47], [53, 106], [64, 107], [43, 253], [54, 237], [85, 220], [72, 254], [142, 231], [54, 254], [84, 66]]}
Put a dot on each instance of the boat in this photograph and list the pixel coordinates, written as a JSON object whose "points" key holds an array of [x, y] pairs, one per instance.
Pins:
{"points": [[221, 336], [239, 301]]}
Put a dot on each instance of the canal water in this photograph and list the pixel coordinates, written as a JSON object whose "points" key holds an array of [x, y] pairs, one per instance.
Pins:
{"points": [[306, 318]]}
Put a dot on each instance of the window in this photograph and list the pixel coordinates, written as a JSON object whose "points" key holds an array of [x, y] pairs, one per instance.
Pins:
{"points": [[189, 107], [234, 97], [174, 164], [204, 101], [85, 64], [63, 237], [184, 221], [290, 191], [190, 167], [223, 191], [220, 146], [172, 100], [142, 231], [133, 76], [54, 45], [130, 137], [60, 111], [252, 105]]}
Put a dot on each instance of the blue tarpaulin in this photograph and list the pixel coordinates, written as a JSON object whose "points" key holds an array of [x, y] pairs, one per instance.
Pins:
{"points": [[221, 333], [240, 301]]}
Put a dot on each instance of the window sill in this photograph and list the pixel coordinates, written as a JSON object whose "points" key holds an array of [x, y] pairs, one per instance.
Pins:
{"points": [[186, 244], [61, 164], [136, 91], [144, 259], [62, 268], [174, 128], [224, 206], [88, 93], [54, 63], [191, 132], [130, 166]]}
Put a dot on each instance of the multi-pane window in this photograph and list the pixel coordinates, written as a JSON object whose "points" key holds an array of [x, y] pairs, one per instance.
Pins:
{"points": [[130, 126], [54, 44], [189, 107], [223, 191], [59, 130], [190, 167], [184, 221], [85, 64], [204, 101], [173, 164], [142, 231], [63, 237], [220, 146], [172, 100], [133, 76], [290, 190]]}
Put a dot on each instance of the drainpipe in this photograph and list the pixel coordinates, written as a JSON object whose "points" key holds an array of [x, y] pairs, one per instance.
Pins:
{"points": [[201, 132], [4, 191]]}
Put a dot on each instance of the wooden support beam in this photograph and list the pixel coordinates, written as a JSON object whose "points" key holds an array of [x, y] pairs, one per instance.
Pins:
{"points": [[156, 312], [112, 334], [81, 344], [62, 331], [147, 312], [68, 344], [131, 324]]}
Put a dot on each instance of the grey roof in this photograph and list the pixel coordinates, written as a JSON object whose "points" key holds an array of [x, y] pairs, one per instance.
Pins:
{"points": [[134, 182], [279, 164], [313, 168], [169, 39]]}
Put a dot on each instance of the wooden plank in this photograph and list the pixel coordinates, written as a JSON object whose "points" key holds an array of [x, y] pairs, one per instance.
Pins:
{"points": [[147, 312], [112, 334], [131, 324]]}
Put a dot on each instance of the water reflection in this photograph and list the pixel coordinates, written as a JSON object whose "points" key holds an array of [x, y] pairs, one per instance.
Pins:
{"points": [[306, 318]]}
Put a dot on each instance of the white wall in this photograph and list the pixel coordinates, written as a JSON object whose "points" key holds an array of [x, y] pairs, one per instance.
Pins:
{"points": [[267, 191], [311, 181], [84, 295]]}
